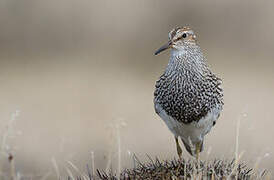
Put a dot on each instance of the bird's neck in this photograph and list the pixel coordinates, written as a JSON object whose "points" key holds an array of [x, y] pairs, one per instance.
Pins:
{"points": [[185, 60]]}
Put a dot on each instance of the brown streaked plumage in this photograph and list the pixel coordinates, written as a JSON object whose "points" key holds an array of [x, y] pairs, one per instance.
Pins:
{"points": [[188, 96]]}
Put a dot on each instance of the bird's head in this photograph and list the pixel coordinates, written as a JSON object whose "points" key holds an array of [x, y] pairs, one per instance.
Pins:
{"points": [[178, 38]]}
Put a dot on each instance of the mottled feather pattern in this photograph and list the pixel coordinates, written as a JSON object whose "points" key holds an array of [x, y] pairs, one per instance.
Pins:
{"points": [[188, 90]]}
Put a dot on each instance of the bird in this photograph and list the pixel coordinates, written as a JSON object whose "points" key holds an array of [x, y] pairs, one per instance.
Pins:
{"points": [[188, 96]]}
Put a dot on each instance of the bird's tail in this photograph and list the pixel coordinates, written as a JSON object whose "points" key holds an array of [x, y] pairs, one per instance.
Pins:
{"points": [[194, 148]]}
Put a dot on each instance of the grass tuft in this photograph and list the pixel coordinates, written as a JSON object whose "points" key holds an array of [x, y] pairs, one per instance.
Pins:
{"points": [[184, 169]]}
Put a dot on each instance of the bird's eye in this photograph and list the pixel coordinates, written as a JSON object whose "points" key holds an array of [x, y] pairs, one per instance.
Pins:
{"points": [[184, 35]]}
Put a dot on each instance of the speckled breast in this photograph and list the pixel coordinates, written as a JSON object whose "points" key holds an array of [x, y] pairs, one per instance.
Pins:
{"points": [[187, 99]]}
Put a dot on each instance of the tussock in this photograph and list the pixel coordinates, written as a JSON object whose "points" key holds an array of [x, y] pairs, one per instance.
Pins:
{"points": [[184, 169]]}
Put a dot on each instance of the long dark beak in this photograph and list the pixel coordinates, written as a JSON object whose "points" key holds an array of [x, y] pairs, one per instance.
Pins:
{"points": [[164, 47]]}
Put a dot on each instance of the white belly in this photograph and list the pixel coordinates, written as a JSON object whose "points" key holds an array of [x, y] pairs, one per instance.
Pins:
{"points": [[194, 131]]}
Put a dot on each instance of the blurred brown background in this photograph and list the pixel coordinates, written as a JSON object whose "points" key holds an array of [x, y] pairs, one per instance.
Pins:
{"points": [[76, 69]]}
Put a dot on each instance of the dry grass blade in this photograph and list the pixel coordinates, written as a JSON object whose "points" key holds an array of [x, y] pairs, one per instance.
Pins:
{"points": [[56, 168]]}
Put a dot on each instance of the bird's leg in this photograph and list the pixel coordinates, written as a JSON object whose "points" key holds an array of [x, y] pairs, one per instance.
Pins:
{"points": [[198, 146], [179, 150]]}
